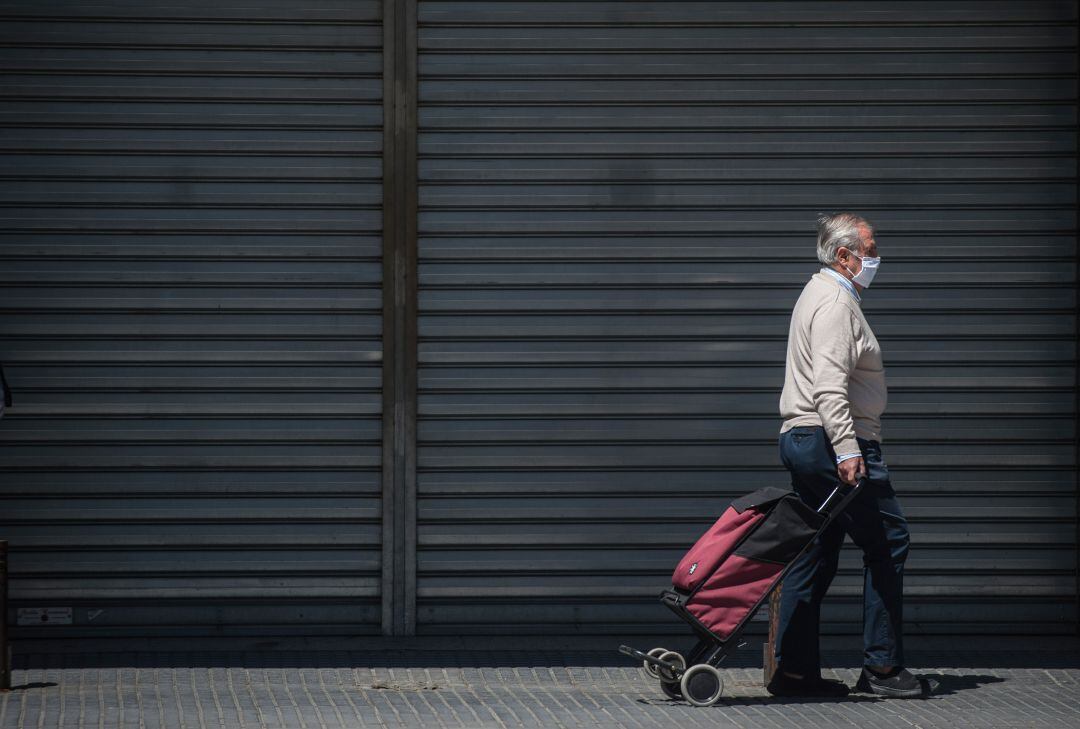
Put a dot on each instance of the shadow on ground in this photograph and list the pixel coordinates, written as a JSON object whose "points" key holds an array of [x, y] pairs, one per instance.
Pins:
{"points": [[951, 683], [35, 685], [771, 700], [934, 685]]}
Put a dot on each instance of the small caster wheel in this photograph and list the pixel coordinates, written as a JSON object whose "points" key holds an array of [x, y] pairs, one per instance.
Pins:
{"points": [[650, 669], [665, 673], [701, 685], [671, 690]]}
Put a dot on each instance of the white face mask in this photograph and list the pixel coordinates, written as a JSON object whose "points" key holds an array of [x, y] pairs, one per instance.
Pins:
{"points": [[866, 275]]}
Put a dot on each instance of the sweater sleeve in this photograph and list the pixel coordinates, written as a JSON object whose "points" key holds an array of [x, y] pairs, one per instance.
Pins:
{"points": [[833, 353]]}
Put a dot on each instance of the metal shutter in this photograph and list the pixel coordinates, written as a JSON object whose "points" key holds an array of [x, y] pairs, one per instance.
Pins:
{"points": [[191, 264], [617, 205]]}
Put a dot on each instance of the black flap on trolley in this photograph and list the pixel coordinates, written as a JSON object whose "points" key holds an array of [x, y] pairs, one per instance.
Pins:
{"points": [[759, 498]]}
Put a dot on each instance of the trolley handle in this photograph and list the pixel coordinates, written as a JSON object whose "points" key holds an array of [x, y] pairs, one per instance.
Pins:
{"points": [[842, 494]]}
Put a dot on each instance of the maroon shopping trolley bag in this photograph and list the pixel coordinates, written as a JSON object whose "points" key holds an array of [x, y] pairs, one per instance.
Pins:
{"points": [[727, 576], [733, 565]]}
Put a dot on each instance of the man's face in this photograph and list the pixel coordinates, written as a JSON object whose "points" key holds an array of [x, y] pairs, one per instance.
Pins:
{"points": [[850, 259]]}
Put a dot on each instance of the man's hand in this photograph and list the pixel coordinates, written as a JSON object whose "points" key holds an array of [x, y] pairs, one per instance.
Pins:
{"points": [[850, 470]]}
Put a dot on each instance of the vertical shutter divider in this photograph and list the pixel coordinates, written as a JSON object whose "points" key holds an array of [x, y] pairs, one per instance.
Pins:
{"points": [[399, 317]]}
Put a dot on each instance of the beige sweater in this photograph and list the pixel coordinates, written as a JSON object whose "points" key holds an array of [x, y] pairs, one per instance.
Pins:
{"points": [[834, 375]]}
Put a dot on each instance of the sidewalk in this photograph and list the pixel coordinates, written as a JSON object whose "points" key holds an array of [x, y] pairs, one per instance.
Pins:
{"points": [[559, 689]]}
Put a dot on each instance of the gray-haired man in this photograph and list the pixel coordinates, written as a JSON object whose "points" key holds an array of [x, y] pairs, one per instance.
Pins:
{"points": [[833, 398]]}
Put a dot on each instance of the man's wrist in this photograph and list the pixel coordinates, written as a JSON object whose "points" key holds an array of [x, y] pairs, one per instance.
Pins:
{"points": [[844, 456]]}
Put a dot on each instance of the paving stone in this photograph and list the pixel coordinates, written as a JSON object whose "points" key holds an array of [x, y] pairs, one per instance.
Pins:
{"points": [[500, 689]]}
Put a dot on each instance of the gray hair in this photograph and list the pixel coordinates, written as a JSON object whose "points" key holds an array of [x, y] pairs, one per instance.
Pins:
{"points": [[841, 229]]}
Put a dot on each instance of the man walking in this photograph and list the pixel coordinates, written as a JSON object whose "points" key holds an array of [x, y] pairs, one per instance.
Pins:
{"points": [[834, 395]]}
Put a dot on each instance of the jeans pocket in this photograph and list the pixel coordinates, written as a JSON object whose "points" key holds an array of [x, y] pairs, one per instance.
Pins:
{"points": [[798, 435]]}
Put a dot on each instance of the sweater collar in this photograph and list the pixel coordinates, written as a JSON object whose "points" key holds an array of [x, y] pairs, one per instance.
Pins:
{"points": [[844, 283]]}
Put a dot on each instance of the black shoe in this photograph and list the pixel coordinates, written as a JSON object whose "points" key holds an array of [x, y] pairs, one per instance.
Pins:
{"points": [[897, 683], [784, 685]]}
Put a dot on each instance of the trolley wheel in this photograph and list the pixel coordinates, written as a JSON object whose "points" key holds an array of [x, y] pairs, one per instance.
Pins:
{"points": [[671, 690], [701, 685], [649, 667], [665, 673]]}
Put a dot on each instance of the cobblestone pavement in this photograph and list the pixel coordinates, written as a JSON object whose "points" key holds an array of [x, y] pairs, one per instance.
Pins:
{"points": [[448, 689]]}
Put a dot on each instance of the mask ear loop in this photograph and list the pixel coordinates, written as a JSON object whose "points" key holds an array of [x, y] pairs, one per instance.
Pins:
{"points": [[848, 269]]}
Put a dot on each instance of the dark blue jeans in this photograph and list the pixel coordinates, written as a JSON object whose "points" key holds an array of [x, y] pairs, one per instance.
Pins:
{"points": [[875, 523]]}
